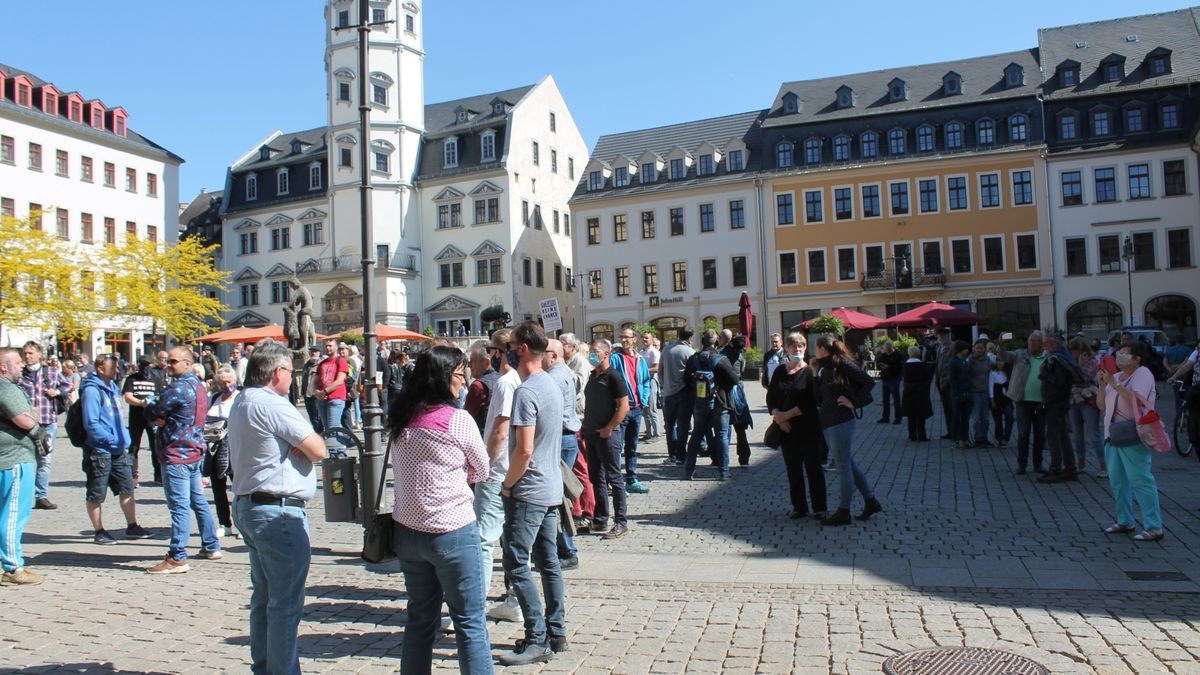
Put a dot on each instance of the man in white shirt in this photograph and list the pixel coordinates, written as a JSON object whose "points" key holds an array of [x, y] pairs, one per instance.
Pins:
{"points": [[653, 356]]}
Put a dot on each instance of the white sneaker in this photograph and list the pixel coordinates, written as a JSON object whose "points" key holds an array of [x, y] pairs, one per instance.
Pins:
{"points": [[220, 531], [508, 610]]}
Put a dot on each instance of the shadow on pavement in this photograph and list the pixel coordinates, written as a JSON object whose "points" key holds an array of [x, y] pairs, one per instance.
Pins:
{"points": [[106, 668]]}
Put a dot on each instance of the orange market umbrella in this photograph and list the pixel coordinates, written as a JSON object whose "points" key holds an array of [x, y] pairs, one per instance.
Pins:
{"points": [[244, 334], [385, 332]]}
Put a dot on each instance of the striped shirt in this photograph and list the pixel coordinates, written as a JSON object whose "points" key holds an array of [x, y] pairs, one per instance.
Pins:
{"points": [[434, 460]]}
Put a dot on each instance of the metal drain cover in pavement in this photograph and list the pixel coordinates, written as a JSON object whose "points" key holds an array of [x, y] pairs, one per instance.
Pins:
{"points": [[961, 661]]}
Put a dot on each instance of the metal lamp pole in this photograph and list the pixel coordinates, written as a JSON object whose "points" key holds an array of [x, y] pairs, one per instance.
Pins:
{"points": [[1127, 254], [897, 261]]}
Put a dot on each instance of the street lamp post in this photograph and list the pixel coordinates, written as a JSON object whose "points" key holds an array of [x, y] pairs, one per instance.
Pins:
{"points": [[578, 277], [1127, 255]]}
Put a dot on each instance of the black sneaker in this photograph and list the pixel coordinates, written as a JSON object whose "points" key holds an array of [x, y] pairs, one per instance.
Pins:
{"points": [[839, 518], [569, 563], [104, 538], [526, 652], [135, 531], [559, 645]]}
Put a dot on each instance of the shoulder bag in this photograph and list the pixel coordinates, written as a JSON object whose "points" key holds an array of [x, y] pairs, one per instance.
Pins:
{"points": [[377, 533]]}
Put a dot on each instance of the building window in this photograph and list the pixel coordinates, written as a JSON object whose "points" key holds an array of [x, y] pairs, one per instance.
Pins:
{"points": [[870, 201], [382, 162], [536, 154], [539, 274], [281, 238], [1109, 246], [281, 182], [708, 273], [737, 214], [929, 195], [251, 187], [8, 207], [1026, 251], [313, 233], [525, 212], [622, 276], [1179, 248], [378, 15], [487, 145], [706, 165], [595, 285], [620, 228], [985, 132], [450, 274], [993, 254], [450, 153], [678, 170], [956, 189], [1018, 129], [708, 221], [1143, 251], [1106, 185], [960, 253], [595, 181], [567, 224], [343, 91], [648, 174], [1135, 120], [449, 215], [249, 295], [1076, 252], [874, 260], [110, 174], [783, 155], [679, 276], [784, 214], [812, 151], [620, 176], [60, 163], [1068, 127], [557, 223], [869, 145], [1112, 71], [247, 243], [650, 279], [345, 158], [553, 122], [1100, 123], [954, 136], [989, 190], [787, 268], [487, 210], [1139, 181], [410, 24], [571, 168], [676, 222], [814, 210], [553, 160], [738, 263], [847, 264], [1068, 77], [110, 230], [734, 161], [647, 224], [816, 267], [62, 223], [1072, 188], [899, 194], [7, 150], [841, 148], [925, 141], [593, 231], [131, 180], [151, 185], [931, 257], [35, 216], [488, 271], [379, 94], [35, 157], [1174, 178], [897, 142], [314, 177], [85, 169], [843, 204], [281, 292], [86, 225], [1022, 187]]}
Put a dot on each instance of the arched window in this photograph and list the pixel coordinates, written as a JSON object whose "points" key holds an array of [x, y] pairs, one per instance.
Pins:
{"points": [[897, 142], [1174, 315], [954, 136], [602, 330], [1094, 318], [812, 151], [985, 132], [1018, 129], [784, 154], [667, 327], [869, 144], [841, 148], [925, 142]]}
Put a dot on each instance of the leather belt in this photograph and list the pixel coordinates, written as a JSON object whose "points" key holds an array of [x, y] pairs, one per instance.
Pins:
{"points": [[275, 500]]}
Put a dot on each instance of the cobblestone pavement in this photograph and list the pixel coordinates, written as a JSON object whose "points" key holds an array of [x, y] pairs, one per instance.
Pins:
{"points": [[713, 577]]}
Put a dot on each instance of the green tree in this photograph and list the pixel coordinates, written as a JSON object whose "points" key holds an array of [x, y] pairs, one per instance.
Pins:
{"points": [[827, 323], [39, 283]]}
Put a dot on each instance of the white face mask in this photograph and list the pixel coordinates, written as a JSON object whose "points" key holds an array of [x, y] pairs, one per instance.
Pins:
{"points": [[1124, 359]]}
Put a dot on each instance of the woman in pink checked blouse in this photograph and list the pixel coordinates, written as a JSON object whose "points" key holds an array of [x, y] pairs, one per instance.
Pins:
{"points": [[436, 453]]}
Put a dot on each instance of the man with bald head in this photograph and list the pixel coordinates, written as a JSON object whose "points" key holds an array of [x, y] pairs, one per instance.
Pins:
{"points": [[557, 369]]}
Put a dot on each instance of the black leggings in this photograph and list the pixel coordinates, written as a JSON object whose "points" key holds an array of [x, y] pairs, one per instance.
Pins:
{"points": [[802, 454]]}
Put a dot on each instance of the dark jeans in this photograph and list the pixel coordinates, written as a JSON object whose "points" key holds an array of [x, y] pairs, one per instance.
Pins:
{"points": [[961, 429], [631, 424], [138, 426], [916, 428], [604, 470], [802, 457], [313, 408], [220, 488], [677, 416], [704, 419], [570, 450], [947, 409], [1058, 437], [1002, 417], [891, 395], [443, 566], [743, 444], [1030, 416], [529, 531]]}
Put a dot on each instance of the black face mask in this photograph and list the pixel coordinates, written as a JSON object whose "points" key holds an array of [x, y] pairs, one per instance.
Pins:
{"points": [[514, 359]]}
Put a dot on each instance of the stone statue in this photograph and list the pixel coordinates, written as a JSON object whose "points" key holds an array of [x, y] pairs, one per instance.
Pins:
{"points": [[302, 306], [291, 331]]}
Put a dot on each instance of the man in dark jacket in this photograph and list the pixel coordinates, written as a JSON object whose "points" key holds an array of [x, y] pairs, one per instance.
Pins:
{"points": [[1058, 374], [891, 367], [179, 415], [711, 378]]}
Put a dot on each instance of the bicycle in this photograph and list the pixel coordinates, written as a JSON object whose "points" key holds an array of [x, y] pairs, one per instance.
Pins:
{"points": [[1183, 443]]}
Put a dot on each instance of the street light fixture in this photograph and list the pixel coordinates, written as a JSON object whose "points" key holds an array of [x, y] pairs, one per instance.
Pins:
{"points": [[577, 278], [1127, 256]]}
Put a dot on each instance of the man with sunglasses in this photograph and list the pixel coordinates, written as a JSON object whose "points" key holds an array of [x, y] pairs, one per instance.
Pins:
{"points": [[179, 415]]}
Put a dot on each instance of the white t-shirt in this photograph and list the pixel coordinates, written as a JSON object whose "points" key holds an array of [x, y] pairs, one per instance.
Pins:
{"points": [[652, 356], [501, 406], [221, 408]]}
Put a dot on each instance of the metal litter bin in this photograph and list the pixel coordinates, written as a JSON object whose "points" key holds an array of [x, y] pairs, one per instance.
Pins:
{"points": [[340, 478]]}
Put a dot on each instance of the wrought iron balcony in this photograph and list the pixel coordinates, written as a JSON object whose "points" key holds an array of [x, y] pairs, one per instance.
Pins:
{"points": [[351, 263], [886, 281]]}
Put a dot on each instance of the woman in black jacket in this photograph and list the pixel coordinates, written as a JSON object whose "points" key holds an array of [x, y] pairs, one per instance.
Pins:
{"points": [[915, 400], [841, 388], [792, 401]]}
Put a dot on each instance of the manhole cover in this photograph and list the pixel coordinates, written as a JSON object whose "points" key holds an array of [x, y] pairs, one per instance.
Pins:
{"points": [[1156, 576], [961, 661]]}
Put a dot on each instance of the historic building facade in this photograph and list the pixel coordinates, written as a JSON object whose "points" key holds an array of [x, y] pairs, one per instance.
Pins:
{"points": [[667, 226], [94, 181]]}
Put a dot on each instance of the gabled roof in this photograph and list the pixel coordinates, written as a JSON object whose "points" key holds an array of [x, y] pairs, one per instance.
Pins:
{"points": [[1134, 38], [312, 144], [442, 120], [982, 77], [198, 206], [688, 136]]}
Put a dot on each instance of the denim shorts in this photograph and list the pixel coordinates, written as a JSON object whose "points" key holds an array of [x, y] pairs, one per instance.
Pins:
{"points": [[104, 469]]}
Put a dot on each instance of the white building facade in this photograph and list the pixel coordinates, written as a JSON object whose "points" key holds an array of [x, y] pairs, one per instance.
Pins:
{"points": [[94, 180]]}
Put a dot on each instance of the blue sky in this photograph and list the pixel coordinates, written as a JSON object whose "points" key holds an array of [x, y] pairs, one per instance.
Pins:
{"points": [[208, 79]]}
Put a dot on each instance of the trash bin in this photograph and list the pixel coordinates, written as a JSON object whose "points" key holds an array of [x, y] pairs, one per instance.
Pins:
{"points": [[341, 489]]}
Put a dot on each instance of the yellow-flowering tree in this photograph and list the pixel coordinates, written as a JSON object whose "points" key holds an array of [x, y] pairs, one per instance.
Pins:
{"points": [[39, 282]]}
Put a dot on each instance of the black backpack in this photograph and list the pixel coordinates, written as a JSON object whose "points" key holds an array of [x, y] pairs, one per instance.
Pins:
{"points": [[76, 433]]}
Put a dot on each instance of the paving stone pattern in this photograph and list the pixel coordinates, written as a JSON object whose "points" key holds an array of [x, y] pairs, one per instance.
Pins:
{"points": [[713, 577]]}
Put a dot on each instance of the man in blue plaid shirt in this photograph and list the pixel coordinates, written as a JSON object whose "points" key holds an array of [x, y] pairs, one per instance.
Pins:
{"points": [[47, 389]]}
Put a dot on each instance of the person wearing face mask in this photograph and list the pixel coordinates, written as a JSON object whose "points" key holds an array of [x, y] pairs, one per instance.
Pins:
{"points": [[792, 402], [606, 403], [1127, 458], [220, 404]]}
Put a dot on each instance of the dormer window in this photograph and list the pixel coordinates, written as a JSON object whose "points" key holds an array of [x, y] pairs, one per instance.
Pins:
{"points": [[462, 116], [1158, 62], [450, 152], [251, 187], [678, 169], [734, 161], [784, 154], [845, 97], [649, 173], [1068, 74], [498, 108], [897, 90], [264, 153], [841, 148], [705, 165], [282, 183], [595, 181], [49, 102], [296, 147], [487, 146], [97, 111], [951, 84], [24, 95], [868, 145], [812, 151], [1014, 76], [985, 132], [621, 176], [1112, 69], [897, 142], [791, 103]]}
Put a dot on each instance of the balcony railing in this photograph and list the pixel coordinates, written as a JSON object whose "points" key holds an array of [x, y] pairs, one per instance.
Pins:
{"points": [[886, 281], [350, 263]]}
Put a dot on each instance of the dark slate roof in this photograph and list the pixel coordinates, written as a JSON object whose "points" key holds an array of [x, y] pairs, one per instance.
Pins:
{"points": [[1177, 31], [203, 202], [313, 150], [441, 120], [131, 136], [982, 81]]}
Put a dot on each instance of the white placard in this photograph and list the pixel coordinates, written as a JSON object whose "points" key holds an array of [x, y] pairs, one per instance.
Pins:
{"points": [[551, 318]]}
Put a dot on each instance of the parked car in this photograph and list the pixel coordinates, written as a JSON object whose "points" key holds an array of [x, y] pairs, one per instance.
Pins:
{"points": [[1157, 339]]}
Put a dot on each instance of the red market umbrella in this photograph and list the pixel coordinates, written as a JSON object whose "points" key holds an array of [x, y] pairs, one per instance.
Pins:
{"points": [[851, 319], [745, 316], [934, 314]]}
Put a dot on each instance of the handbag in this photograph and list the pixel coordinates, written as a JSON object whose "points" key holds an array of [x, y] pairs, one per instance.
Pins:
{"points": [[773, 436], [377, 533], [1123, 433], [1150, 428]]}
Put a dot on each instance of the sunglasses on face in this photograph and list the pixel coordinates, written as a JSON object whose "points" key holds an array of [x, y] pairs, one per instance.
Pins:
{"points": [[172, 362]]}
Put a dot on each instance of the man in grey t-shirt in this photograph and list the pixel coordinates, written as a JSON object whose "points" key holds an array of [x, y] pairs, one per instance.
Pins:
{"points": [[532, 492]]}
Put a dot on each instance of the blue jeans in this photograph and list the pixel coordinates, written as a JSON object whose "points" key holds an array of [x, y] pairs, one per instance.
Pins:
{"points": [[1085, 432], [840, 437], [41, 484], [570, 452], [529, 531], [891, 395], [181, 485], [1130, 476], [489, 523], [715, 419], [277, 539], [630, 429], [981, 410], [443, 566], [677, 416], [331, 412], [16, 503]]}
